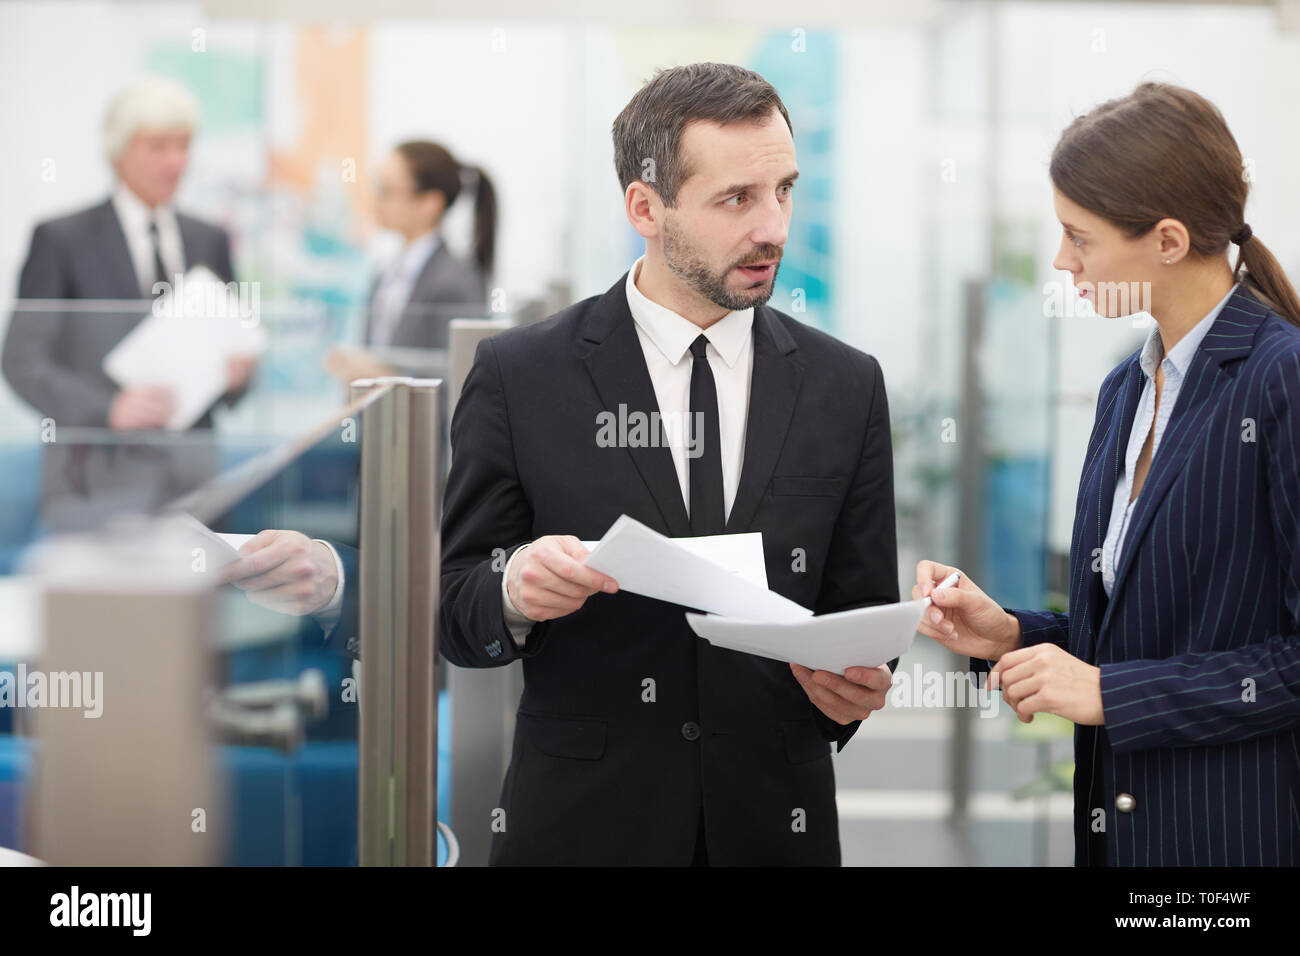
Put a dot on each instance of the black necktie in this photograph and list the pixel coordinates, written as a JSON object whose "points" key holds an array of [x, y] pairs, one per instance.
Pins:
{"points": [[707, 511], [159, 270]]}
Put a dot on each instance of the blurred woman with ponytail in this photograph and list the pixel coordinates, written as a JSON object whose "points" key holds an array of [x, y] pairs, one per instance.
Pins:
{"points": [[425, 286], [1179, 658]]}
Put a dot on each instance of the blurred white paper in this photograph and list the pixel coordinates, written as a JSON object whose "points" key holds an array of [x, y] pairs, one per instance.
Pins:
{"points": [[721, 576], [184, 344], [864, 637], [220, 548]]}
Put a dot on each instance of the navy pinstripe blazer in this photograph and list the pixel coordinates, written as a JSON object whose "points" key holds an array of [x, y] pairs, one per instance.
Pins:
{"points": [[1199, 642]]}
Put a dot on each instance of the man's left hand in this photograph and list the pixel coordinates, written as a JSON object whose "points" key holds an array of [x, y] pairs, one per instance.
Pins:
{"points": [[851, 697]]}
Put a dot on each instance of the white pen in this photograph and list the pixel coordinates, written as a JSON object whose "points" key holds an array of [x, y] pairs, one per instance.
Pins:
{"points": [[947, 582]]}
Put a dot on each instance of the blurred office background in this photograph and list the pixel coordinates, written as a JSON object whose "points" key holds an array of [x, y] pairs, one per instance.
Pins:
{"points": [[923, 233]]}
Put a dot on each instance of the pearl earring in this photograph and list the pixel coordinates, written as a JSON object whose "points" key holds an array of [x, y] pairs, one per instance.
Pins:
{"points": [[1169, 262]]}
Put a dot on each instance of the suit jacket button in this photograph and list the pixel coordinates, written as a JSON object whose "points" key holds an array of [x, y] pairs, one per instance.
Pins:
{"points": [[1125, 803], [691, 730]]}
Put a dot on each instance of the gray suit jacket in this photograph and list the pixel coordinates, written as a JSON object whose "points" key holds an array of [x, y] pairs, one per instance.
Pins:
{"points": [[446, 289], [53, 360]]}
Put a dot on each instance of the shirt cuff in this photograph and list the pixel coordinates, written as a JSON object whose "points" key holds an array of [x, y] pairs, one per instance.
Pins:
{"points": [[328, 616], [518, 624]]}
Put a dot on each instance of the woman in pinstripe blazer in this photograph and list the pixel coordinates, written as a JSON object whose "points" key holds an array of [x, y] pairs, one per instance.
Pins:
{"points": [[1179, 661]]}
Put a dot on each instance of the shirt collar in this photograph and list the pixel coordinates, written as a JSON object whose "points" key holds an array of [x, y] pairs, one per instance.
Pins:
{"points": [[132, 211], [1180, 356], [673, 334], [418, 252]]}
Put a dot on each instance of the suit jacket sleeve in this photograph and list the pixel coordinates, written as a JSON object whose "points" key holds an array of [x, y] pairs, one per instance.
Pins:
{"points": [[344, 637], [1036, 627], [862, 562], [486, 518], [1228, 696], [31, 360]]}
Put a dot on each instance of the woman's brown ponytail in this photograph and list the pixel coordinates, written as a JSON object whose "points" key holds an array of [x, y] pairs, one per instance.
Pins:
{"points": [[1267, 280]]}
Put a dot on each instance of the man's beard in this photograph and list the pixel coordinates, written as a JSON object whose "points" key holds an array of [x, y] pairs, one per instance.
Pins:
{"points": [[683, 262]]}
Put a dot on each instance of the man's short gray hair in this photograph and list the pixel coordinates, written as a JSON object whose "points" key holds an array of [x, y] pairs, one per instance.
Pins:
{"points": [[648, 133], [151, 102]]}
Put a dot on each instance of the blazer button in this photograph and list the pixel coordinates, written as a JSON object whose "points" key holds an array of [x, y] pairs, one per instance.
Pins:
{"points": [[691, 730], [1125, 803]]}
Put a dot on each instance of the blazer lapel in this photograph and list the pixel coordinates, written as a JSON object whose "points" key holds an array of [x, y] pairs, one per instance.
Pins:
{"points": [[616, 364], [1226, 342], [112, 247], [1102, 476], [773, 388]]}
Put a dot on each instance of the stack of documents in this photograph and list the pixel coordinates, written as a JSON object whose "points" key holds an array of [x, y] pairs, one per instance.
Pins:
{"points": [[725, 576]]}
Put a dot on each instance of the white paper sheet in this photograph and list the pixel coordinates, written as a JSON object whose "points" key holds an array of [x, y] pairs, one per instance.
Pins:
{"points": [[693, 575], [740, 554], [187, 350], [865, 637], [220, 549]]}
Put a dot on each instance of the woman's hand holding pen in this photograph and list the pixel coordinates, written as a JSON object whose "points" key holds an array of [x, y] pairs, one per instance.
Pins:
{"points": [[962, 616]]}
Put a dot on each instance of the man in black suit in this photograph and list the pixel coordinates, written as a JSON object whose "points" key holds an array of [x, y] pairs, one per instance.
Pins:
{"points": [[116, 250], [636, 741]]}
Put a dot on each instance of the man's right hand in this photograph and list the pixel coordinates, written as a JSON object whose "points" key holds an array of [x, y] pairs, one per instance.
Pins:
{"points": [[549, 579], [141, 406], [963, 617]]}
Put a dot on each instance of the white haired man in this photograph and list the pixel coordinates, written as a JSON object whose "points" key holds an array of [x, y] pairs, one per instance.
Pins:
{"points": [[116, 250]]}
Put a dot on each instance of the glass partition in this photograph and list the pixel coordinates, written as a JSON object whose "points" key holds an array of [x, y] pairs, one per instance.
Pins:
{"points": [[229, 704]]}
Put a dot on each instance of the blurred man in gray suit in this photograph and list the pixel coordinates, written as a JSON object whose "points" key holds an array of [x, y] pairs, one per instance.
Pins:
{"points": [[116, 250]]}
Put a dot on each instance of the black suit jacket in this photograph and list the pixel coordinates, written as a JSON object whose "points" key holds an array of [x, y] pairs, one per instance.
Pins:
{"points": [[629, 723]]}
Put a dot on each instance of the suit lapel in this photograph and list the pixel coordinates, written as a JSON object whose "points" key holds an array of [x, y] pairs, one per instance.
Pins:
{"points": [[1227, 341], [1097, 503], [773, 388], [617, 366], [116, 254]]}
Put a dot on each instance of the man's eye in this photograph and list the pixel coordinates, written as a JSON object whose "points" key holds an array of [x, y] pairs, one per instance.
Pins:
{"points": [[786, 189], [737, 198]]}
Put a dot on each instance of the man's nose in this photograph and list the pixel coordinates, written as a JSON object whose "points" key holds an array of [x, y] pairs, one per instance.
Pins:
{"points": [[774, 226]]}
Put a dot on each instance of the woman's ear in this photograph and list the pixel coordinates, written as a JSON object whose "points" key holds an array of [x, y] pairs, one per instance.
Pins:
{"points": [[1172, 241]]}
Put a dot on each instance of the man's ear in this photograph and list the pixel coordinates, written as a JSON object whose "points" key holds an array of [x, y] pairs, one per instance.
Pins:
{"points": [[644, 208]]}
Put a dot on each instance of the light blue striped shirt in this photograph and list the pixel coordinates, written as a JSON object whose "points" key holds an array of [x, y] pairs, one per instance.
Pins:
{"points": [[1175, 364]]}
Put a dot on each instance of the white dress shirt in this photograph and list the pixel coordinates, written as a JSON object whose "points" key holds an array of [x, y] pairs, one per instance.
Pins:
{"points": [[134, 217], [666, 339], [1175, 366], [395, 286]]}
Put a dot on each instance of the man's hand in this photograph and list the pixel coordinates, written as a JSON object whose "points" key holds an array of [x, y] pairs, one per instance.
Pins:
{"points": [[851, 697], [549, 579], [141, 406], [285, 571], [1045, 678]]}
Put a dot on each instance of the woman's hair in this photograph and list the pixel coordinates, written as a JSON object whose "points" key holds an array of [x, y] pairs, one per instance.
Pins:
{"points": [[1165, 152], [433, 167]]}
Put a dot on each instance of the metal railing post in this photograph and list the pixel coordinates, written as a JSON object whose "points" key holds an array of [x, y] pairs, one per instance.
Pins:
{"points": [[398, 599]]}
